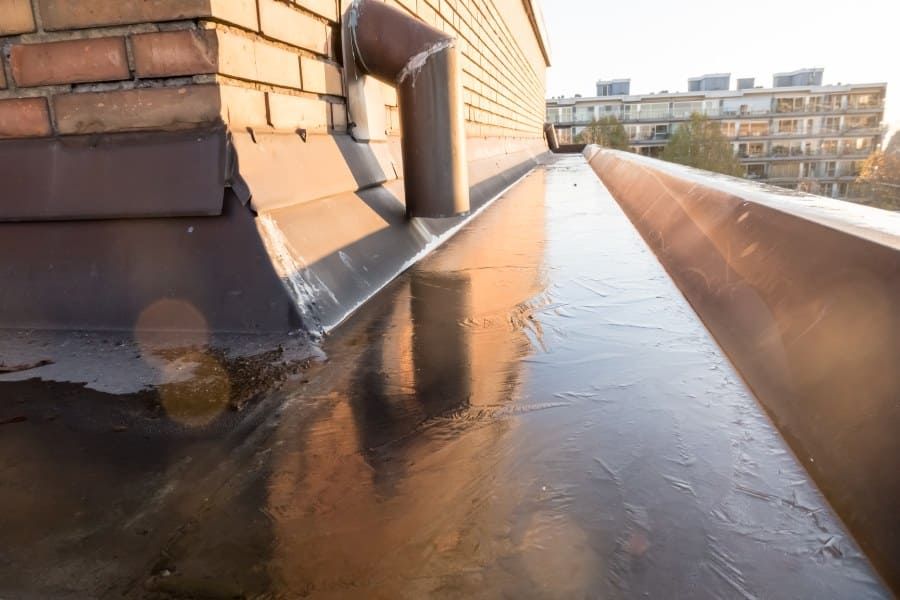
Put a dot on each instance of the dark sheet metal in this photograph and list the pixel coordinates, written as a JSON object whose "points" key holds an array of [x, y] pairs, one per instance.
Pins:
{"points": [[550, 134], [424, 63], [183, 273], [112, 176]]}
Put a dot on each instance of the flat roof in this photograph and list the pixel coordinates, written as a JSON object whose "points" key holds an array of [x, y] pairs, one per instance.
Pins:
{"points": [[708, 76]]}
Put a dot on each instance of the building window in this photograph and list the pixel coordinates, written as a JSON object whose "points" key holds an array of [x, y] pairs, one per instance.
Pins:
{"points": [[788, 170], [832, 102], [789, 126], [783, 105], [756, 171], [865, 101], [754, 129], [829, 146], [830, 168]]}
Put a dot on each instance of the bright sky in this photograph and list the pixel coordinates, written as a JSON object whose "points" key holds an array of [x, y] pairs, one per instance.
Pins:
{"points": [[660, 43]]}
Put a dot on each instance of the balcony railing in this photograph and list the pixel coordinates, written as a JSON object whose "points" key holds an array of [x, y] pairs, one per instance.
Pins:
{"points": [[683, 115], [800, 154]]}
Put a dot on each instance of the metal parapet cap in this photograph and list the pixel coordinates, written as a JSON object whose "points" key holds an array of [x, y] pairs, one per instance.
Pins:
{"points": [[423, 62]]}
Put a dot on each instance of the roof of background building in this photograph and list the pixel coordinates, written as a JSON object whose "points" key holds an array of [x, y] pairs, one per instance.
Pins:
{"points": [[812, 89]]}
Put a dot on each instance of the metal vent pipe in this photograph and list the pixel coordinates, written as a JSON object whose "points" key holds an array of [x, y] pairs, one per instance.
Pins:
{"points": [[552, 140], [424, 64]]}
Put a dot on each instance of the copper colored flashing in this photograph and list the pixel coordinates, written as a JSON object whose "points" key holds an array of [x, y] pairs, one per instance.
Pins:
{"points": [[805, 307], [424, 64]]}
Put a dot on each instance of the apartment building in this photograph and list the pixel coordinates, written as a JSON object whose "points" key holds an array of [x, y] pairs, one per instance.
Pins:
{"points": [[798, 134]]}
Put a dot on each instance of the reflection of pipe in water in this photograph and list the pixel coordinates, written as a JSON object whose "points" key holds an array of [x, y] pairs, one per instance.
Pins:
{"points": [[385, 486], [439, 303]]}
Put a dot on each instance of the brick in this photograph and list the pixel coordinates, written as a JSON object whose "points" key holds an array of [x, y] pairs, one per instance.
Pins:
{"points": [[78, 14], [245, 58], [24, 117], [16, 17], [286, 24], [323, 8], [242, 107], [2, 74], [143, 108], [74, 61], [173, 53], [277, 66], [297, 112], [321, 77], [237, 12]]}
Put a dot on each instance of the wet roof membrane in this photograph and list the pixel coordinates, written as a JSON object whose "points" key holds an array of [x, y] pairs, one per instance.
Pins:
{"points": [[533, 410]]}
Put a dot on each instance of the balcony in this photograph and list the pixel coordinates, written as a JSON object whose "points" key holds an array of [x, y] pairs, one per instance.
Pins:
{"points": [[794, 154], [677, 115], [655, 138]]}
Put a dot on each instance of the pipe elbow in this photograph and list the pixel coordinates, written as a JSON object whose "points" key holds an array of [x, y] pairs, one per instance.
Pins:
{"points": [[424, 64], [550, 134]]}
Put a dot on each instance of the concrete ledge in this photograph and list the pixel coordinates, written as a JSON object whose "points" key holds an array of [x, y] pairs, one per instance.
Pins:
{"points": [[801, 293]]}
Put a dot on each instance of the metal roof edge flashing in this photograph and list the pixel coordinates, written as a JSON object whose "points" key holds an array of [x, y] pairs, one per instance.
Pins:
{"points": [[114, 175]]}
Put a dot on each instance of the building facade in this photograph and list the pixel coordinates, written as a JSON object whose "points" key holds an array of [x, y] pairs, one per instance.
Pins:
{"points": [[797, 134]]}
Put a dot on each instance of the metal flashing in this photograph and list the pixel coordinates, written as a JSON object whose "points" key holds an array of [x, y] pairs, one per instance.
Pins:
{"points": [[114, 176]]}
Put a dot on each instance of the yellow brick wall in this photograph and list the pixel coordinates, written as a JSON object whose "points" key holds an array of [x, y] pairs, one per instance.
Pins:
{"points": [[503, 68], [262, 63]]}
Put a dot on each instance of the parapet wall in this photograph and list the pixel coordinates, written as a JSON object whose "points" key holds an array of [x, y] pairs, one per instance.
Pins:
{"points": [[100, 66], [801, 293]]}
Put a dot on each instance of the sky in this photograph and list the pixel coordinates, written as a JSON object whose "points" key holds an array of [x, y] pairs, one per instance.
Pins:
{"points": [[658, 44]]}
